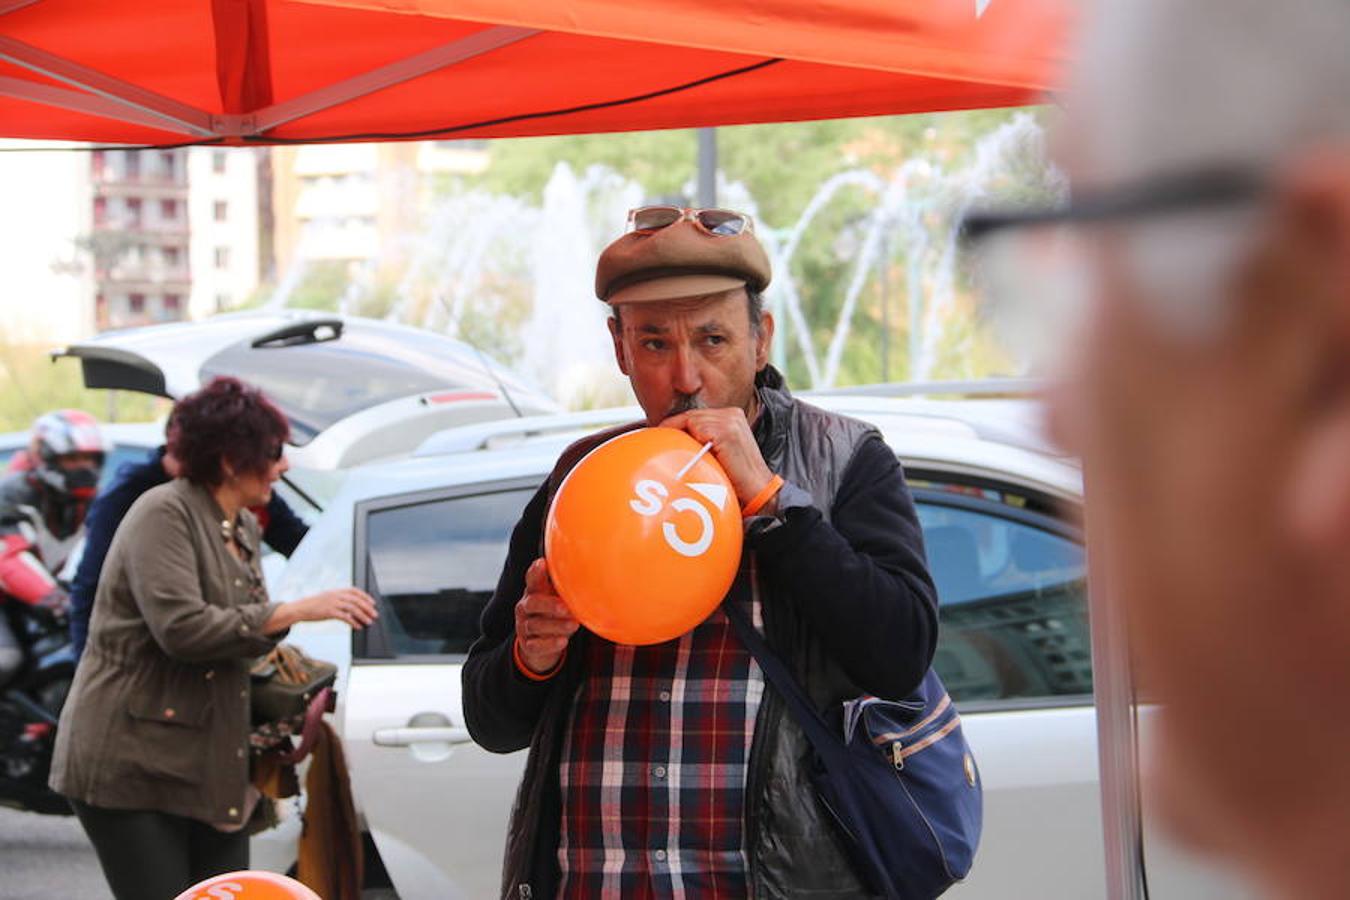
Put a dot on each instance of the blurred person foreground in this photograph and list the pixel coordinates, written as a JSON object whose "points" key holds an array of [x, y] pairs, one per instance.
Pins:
{"points": [[1202, 270]]}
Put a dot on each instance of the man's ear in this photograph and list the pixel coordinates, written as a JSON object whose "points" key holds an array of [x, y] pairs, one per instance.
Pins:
{"points": [[1314, 204], [763, 340], [616, 334]]}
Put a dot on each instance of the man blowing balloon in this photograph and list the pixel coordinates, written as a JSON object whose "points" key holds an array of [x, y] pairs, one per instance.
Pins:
{"points": [[668, 769]]}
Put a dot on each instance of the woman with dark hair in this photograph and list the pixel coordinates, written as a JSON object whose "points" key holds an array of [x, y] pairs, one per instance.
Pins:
{"points": [[153, 749]]}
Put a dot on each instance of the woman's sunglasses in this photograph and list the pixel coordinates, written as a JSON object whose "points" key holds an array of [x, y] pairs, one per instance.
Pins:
{"points": [[718, 222]]}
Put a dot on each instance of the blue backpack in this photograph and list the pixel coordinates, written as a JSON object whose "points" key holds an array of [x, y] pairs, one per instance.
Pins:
{"points": [[900, 780]]}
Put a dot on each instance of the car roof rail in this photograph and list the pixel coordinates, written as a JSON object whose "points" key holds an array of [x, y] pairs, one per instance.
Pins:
{"points": [[486, 435], [308, 331], [988, 387]]}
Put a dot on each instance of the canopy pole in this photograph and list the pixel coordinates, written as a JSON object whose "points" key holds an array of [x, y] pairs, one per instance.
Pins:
{"points": [[80, 102], [9, 6], [1117, 736], [707, 168], [177, 116], [476, 44]]}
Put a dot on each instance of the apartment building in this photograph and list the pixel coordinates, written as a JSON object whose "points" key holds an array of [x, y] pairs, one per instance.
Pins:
{"points": [[139, 241], [357, 203], [225, 226]]}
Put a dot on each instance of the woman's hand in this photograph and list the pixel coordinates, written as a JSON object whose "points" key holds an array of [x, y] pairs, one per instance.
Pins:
{"points": [[351, 605]]}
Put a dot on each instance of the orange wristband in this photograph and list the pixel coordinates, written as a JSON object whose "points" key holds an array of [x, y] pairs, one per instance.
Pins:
{"points": [[527, 671], [755, 505]]}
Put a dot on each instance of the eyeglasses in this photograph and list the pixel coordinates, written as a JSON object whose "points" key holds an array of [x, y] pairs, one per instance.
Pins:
{"points": [[717, 222], [1167, 194], [1034, 272], [278, 451]]}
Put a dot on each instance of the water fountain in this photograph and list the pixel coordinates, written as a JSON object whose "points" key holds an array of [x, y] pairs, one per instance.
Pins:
{"points": [[515, 278]]}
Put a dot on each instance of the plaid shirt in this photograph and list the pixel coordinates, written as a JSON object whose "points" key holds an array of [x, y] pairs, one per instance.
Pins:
{"points": [[654, 766]]}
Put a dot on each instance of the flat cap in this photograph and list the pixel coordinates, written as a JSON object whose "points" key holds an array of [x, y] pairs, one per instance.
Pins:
{"points": [[680, 260]]}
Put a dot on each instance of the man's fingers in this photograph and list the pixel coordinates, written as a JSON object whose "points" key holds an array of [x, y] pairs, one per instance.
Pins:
{"points": [[536, 578], [539, 627], [546, 605], [678, 421]]}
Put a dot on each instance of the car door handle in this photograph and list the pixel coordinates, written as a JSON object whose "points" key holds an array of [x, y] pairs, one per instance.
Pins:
{"points": [[407, 736]]}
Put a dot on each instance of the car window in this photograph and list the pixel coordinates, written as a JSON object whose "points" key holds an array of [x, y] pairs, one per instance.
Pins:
{"points": [[435, 564], [317, 384], [1012, 598]]}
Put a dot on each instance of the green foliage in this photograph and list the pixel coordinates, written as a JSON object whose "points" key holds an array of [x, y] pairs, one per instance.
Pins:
{"points": [[31, 384], [782, 167], [661, 161], [323, 283]]}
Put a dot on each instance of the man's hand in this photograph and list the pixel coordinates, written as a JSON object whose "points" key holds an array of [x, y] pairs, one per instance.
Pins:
{"points": [[733, 444], [544, 624]]}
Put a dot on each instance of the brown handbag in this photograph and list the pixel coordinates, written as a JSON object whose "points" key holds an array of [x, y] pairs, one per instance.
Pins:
{"points": [[285, 685]]}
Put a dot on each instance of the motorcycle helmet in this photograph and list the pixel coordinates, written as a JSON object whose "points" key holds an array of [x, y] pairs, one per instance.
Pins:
{"points": [[56, 437]]}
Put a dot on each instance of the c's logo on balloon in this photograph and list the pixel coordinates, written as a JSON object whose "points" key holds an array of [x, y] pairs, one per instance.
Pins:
{"points": [[648, 503]]}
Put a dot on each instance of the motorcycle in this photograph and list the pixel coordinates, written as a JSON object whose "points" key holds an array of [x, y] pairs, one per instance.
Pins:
{"points": [[30, 706]]}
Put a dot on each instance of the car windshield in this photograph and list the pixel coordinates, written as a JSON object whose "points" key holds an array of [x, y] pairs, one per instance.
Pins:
{"points": [[317, 384]]}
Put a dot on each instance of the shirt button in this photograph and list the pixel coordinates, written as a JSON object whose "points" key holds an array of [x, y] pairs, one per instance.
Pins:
{"points": [[210, 673], [238, 582], [244, 694], [233, 812], [661, 855], [665, 696], [168, 712], [659, 772], [239, 753]]}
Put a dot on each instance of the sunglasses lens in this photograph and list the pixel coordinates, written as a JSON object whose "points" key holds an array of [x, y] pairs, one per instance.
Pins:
{"points": [[652, 218], [722, 221]]}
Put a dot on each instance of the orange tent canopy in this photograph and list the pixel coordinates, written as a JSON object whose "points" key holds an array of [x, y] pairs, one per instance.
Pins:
{"points": [[275, 71]]}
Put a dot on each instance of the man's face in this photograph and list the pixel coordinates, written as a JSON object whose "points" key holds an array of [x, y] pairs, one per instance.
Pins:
{"points": [[687, 354], [1205, 460], [70, 462]]}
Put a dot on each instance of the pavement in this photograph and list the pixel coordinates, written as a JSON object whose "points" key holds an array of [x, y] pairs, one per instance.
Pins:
{"points": [[49, 858]]}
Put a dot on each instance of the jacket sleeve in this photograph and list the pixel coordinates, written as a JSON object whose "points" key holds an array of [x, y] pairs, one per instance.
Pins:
{"points": [[501, 706], [105, 514], [285, 530], [162, 573], [861, 580]]}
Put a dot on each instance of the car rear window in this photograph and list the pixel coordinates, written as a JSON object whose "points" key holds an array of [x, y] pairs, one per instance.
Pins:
{"points": [[317, 384]]}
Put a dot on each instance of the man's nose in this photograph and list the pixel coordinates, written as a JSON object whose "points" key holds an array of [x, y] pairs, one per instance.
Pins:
{"points": [[686, 377]]}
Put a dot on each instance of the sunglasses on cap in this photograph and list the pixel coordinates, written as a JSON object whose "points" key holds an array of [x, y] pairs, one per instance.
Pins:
{"points": [[717, 222]]}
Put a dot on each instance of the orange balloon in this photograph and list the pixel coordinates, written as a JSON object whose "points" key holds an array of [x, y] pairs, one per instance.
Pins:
{"points": [[643, 538], [248, 886]]}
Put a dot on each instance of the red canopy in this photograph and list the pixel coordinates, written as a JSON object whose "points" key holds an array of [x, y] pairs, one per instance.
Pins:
{"points": [[171, 71]]}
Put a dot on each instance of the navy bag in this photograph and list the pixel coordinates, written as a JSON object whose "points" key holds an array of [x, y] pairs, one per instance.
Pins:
{"points": [[900, 780]]}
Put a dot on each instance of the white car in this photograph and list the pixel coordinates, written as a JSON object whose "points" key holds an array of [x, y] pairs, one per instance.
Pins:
{"points": [[427, 536], [353, 389]]}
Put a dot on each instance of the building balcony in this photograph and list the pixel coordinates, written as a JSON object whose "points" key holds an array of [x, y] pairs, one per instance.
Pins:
{"points": [[165, 230], [145, 279], [148, 186]]}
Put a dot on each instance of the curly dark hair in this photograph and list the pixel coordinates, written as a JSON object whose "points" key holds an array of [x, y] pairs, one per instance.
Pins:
{"points": [[225, 421]]}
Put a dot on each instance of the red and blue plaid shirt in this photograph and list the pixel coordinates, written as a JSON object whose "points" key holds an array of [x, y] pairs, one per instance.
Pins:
{"points": [[654, 766]]}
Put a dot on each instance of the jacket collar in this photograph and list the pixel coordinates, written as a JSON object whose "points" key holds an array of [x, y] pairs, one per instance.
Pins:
{"points": [[204, 502], [775, 411]]}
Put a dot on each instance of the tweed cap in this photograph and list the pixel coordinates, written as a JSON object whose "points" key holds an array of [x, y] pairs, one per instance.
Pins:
{"points": [[681, 260]]}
